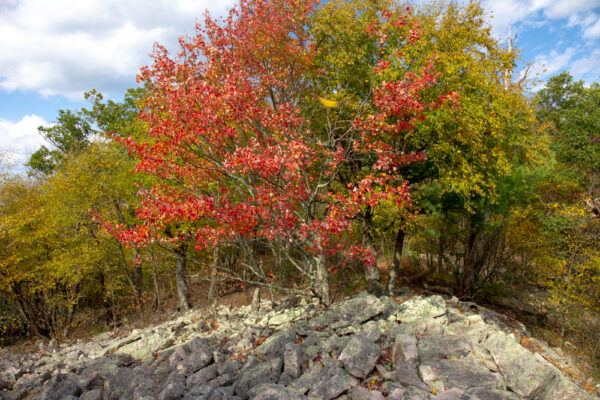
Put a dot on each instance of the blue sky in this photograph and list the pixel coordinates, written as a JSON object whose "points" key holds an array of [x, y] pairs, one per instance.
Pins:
{"points": [[51, 52]]}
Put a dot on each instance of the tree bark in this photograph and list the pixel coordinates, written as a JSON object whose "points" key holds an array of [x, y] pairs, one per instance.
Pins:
{"points": [[322, 281], [213, 274], [155, 280], [395, 269], [467, 278], [183, 291], [372, 276]]}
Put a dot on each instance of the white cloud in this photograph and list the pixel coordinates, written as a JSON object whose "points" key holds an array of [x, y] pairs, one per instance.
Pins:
{"points": [[20, 139], [585, 65], [65, 47], [528, 12], [553, 63]]}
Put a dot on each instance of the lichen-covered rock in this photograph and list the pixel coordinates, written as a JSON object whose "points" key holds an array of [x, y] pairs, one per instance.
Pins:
{"points": [[524, 374], [274, 345], [405, 350], [361, 393], [359, 356], [336, 382], [271, 391], [422, 349], [267, 372]]}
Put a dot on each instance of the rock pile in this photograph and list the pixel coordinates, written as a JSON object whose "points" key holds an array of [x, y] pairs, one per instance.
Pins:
{"points": [[362, 348]]}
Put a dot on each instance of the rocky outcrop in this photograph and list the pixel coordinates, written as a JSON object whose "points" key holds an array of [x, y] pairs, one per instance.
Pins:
{"points": [[361, 348]]}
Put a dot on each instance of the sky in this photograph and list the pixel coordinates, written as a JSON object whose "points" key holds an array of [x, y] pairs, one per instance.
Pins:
{"points": [[51, 52]]}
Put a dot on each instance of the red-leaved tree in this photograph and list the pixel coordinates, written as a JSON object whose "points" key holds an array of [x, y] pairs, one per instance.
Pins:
{"points": [[235, 163]]}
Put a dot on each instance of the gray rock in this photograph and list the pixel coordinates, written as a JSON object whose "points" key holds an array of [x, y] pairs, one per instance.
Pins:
{"points": [[309, 379], [463, 374], [523, 373], [419, 308], [433, 348], [292, 360], [145, 348], [267, 372], [58, 387], [406, 374], [564, 389], [397, 394], [370, 331], [173, 391], [92, 381], [195, 361], [359, 356], [95, 394], [202, 376], [361, 393], [230, 365], [273, 346], [404, 350], [271, 391], [355, 310], [488, 394], [337, 382]]}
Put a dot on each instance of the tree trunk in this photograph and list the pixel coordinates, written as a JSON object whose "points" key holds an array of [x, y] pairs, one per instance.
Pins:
{"points": [[395, 269], [138, 278], [183, 291], [213, 274], [256, 299], [372, 277], [155, 280], [467, 278], [322, 281]]}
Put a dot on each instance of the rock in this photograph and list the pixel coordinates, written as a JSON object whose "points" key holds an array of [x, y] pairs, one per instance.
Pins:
{"points": [[355, 310], [371, 331], [144, 348], [405, 350], [463, 374], [173, 391], [95, 394], [271, 391], [58, 387], [286, 317], [524, 374], [422, 349], [90, 382], [309, 379], [292, 360], [564, 389], [406, 374], [487, 394], [267, 372], [202, 376], [397, 394], [361, 393], [337, 382], [452, 394], [419, 308], [273, 346], [433, 348], [195, 361], [359, 356]]}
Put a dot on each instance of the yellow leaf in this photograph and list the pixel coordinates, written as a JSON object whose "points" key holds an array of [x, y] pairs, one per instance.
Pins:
{"points": [[328, 103]]}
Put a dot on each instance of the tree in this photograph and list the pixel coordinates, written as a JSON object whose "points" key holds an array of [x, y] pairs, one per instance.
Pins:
{"points": [[240, 161], [70, 133], [571, 111], [467, 143]]}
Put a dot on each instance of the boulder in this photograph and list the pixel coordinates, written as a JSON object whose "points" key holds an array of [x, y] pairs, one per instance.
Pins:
{"points": [[359, 356], [524, 374], [267, 372]]}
